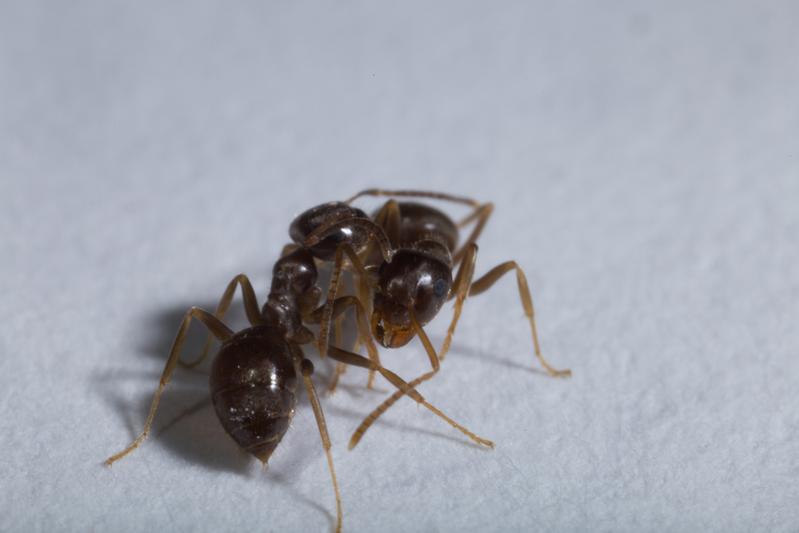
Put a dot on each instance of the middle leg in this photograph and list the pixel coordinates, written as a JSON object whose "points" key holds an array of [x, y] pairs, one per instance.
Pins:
{"points": [[250, 307], [354, 359], [488, 280], [304, 368], [337, 308]]}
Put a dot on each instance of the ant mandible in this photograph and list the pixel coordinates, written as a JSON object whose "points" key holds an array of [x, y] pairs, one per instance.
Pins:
{"points": [[254, 375]]}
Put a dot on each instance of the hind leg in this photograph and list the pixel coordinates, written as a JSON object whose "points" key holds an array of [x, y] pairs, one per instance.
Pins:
{"points": [[217, 328]]}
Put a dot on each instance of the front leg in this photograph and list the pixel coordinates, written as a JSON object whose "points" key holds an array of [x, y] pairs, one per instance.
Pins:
{"points": [[333, 309], [354, 359], [488, 280]]}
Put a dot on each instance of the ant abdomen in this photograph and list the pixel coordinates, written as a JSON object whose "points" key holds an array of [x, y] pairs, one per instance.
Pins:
{"points": [[306, 222], [419, 221], [253, 389]]}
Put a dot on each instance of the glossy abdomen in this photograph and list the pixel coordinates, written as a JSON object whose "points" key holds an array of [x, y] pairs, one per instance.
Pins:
{"points": [[420, 221], [305, 223], [253, 389]]}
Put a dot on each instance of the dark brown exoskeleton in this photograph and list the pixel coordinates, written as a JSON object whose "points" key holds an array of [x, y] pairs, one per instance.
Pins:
{"points": [[255, 372], [407, 291]]}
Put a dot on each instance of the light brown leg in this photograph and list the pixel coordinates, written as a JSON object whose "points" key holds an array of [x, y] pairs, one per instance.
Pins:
{"points": [[332, 290], [481, 214], [340, 369], [337, 321], [374, 231], [428, 346], [338, 307], [354, 359], [460, 290], [416, 194], [388, 218], [383, 407], [488, 280], [305, 368], [217, 328], [250, 307]]}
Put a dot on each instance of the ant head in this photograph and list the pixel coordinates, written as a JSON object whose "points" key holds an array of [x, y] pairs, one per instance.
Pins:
{"points": [[414, 284]]}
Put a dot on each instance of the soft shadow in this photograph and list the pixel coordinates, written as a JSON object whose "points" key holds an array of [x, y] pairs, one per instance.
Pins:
{"points": [[456, 350], [285, 483], [161, 327], [185, 425]]}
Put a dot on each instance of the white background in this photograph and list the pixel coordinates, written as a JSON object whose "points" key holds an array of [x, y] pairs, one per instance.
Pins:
{"points": [[643, 159]]}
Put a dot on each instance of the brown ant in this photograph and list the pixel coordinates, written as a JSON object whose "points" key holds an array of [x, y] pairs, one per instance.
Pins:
{"points": [[254, 375], [408, 283]]}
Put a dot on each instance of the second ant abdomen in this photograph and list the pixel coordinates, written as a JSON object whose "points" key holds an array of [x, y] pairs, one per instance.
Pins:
{"points": [[419, 221], [305, 223], [253, 389]]}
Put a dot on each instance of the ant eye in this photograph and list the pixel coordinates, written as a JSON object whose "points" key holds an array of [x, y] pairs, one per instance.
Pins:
{"points": [[440, 288]]}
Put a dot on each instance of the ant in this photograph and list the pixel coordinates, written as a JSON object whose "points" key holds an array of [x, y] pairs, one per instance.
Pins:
{"points": [[253, 380], [408, 281]]}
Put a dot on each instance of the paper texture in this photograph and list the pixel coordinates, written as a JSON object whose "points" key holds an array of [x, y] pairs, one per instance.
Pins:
{"points": [[643, 163]]}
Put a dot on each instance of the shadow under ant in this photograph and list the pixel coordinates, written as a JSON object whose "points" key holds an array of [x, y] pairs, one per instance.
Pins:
{"points": [[404, 428], [457, 349], [186, 424]]}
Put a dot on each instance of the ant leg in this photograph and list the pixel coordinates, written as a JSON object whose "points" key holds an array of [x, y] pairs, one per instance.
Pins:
{"points": [[354, 359], [388, 218], [327, 314], [428, 346], [481, 214], [488, 280], [383, 407], [305, 368], [374, 232], [416, 194], [331, 388], [460, 289], [364, 335], [216, 327], [250, 307], [340, 369]]}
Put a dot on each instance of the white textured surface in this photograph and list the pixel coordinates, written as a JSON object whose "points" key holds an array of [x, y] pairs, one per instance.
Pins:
{"points": [[644, 159]]}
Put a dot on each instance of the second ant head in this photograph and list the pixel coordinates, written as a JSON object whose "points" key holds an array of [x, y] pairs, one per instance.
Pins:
{"points": [[414, 285]]}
